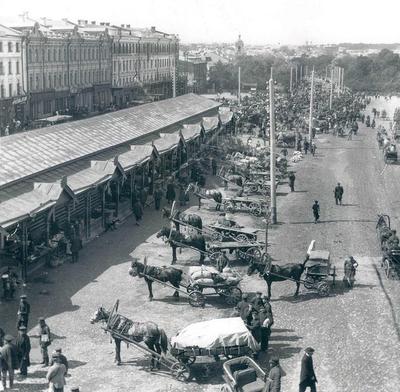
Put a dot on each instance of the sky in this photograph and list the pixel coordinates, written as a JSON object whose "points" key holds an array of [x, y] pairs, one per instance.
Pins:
{"points": [[277, 22]]}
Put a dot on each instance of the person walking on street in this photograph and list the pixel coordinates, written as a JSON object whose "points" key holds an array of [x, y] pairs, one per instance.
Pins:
{"points": [[158, 194], [144, 193], [75, 248], [266, 320], [44, 341], [292, 179], [243, 307], [23, 344], [138, 211], [306, 145], [56, 375], [313, 148], [307, 374], [315, 209], [2, 334], [350, 134], [170, 196], [23, 312], [8, 361], [338, 192], [274, 376], [63, 358]]}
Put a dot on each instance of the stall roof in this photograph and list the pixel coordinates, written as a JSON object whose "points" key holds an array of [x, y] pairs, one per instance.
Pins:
{"points": [[167, 141], [225, 117], [42, 197], [26, 154], [191, 131], [137, 155], [210, 123]]}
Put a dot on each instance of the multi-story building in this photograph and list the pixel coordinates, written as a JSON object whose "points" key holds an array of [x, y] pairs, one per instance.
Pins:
{"points": [[143, 61], [67, 72], [12, 82], [193, 73]]}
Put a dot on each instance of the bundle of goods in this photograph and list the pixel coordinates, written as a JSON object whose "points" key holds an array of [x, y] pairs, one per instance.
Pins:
{"points": [[208, 276], [297, 156]]}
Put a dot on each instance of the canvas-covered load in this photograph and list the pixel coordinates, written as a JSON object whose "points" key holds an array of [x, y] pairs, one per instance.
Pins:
{"points": [[212, 334], [208, 275]]}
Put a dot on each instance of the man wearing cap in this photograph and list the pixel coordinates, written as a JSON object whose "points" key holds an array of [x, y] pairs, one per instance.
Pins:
{"points": [[266, 320], [257, 301], [23, 344], [23, 312], [56, 375], [244, 307], [63, 358], [44, 340], [275, 375], [307, 375], [9, 361]]}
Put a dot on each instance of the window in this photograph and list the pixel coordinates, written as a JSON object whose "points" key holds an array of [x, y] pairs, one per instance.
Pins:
{"points": [[18, 89], [9, 68], [17, 49], [55, 81], [48, 55], [1, 46], [10, 90], [30, 55], [2, 91], [31, 87], [17, 66], [65, 79], [76, 77], [50, 81], [9, 47], [37, 83], [1, 68]]}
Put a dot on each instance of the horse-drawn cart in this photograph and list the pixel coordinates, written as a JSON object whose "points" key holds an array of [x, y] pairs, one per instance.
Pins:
{"points": [[255, 206], [245, 251], [241, 234]]}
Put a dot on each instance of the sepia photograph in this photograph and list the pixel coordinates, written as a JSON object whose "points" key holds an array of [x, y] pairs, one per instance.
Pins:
{"points": [[199, 196]]}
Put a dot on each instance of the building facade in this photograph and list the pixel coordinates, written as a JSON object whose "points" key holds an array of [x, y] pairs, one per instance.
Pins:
{"points": [[12, 81], [67, 72]]}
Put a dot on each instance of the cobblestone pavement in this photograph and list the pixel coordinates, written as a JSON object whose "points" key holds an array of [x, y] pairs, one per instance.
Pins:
{"points": [[356, 333]]}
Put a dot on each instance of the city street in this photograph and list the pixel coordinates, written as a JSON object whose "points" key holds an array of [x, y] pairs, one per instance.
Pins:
{"points": [[355, 334]]}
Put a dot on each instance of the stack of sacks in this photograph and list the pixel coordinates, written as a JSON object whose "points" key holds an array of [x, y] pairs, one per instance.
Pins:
{"points": [[230, 277], [203, 275], [297, 156]]}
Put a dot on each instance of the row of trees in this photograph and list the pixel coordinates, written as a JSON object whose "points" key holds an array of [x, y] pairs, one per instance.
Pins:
{"points": [[375, 73]]}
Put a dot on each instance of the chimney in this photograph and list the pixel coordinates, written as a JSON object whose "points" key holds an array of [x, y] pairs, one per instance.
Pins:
{"points": [[102, 24], [153, 29], [93, 22], [128, 26], [107, 24], [123, 25]]}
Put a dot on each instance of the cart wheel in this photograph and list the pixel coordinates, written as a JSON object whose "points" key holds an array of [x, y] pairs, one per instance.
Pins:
{"points": [[323, 289], [242, 237], [216, 236], [254, 187], [255, 209], [240, 255], [180, 371], [190, 288], [197, 299], [233, 295], [253, 254], [215, 257], [309, 282]]}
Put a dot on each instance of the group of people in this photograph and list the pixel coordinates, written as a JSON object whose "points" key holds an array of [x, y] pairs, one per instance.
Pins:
{"points": [[15, 352]]}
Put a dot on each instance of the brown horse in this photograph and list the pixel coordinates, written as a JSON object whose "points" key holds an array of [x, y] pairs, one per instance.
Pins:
{"points": [[148, 332], [189, 219], [164, 274], [278, 273]]}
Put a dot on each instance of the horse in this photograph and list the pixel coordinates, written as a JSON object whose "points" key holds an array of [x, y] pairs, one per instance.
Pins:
{"points": [[176, 240], [279, 273], [214, 194], [148, 332], [164, 274], [190, 219]]}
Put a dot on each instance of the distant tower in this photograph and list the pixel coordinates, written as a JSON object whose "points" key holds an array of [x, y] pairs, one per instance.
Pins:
{"points": [[239, 46]]}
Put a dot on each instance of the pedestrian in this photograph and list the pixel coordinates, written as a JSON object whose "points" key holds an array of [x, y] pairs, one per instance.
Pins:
{"points": [[56, 375], [2, 334], [158, 194], [75, 248], [350, 268], [338, 192], [170, 196], [44, 341], [350, 135], [292, 179], [182, 195], [143, 196], [23, 311], [306, 145], [307, 374], [214, 166], [257, 301], [315, 209], [275, 375], [8, 361], [254, 325], [63, 358], [9, 279], [313, 149], [244, 307], [23, 344], [138, 211]]}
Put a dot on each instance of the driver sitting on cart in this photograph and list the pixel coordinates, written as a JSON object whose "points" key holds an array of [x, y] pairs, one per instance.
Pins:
{"points": [[224, 221]]}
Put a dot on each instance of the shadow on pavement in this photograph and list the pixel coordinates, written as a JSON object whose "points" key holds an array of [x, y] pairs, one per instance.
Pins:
{"points": [[73, 364]]}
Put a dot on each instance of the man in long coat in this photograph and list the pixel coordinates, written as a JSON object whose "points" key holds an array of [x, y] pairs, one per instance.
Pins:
{"points": [[338, 193], [9, 361], [23, 345], [307, 374], [23, 312]]}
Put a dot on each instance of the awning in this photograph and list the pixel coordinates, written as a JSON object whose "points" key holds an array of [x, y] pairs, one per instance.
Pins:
{"points": [[210, 123], [225, 117], [138, 155], [167, 142], [191, 131]]}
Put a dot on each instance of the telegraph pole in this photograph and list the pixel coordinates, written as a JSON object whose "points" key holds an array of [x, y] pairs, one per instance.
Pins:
{"points": [[291, 80], [239, 86], [272, 149], [311, 107], [331, 92], [342, 79]]}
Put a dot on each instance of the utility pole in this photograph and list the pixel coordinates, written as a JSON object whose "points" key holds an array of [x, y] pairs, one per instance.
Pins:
{"points": [[339, 80], [291, 80], [342, 79], [311, 107], [296, 74], [272, 150], [331, 92], [239, 86]]}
